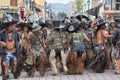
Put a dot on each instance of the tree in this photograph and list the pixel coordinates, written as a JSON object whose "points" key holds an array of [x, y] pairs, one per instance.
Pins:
{"points": [[79, 5], [61, 15]]}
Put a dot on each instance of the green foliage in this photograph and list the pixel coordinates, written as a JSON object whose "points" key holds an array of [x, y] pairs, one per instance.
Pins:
{"points": [[61, 15], [79, 5]]}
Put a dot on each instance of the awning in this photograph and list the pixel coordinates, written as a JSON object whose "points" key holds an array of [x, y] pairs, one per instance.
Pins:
{"points": [[38, 8], [13, 7]]}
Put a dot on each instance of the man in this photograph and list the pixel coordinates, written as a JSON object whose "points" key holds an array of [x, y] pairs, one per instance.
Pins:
{"points": [[99, 63], [89, 32], [112, 49], [56, 44], [36, 40], [10, 41], [116, 42], [46, 31]]}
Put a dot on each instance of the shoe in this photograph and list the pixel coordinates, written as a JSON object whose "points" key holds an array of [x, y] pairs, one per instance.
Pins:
{"points": [[42, 73], [54, 74], [6, 77], [65, 73]]}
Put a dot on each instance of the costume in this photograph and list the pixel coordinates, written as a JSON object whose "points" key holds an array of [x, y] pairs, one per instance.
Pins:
{"points": [[37, 50], [77, 55], [116, 42], [57, 54]]}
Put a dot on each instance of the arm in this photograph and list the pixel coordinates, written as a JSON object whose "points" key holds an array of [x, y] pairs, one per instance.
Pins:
{"points": [[86, 38], [106, 35], [2, 43], [93, 23]]}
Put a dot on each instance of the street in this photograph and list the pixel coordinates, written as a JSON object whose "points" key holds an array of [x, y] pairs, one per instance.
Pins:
{"points": [[87, 75]]}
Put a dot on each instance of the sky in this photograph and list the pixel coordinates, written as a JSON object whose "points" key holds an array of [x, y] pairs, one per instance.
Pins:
{"points": [[59, 1]]}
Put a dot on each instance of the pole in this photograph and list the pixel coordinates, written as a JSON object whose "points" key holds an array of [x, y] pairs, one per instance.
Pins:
{"points": [[45, 13], [88, 10], [111, 4], [45, 8], [88, 2]]}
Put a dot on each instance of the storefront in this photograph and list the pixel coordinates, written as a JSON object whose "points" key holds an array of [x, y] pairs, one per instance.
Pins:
{"points": [[112, 15]]}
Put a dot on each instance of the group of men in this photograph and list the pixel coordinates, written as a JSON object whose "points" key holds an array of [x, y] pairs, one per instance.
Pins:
{"points": [[66, 46]]}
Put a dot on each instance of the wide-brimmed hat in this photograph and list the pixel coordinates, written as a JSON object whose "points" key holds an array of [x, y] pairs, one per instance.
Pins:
{"points": [[7, 20], [112, 21], [36, 27], [61, 26], [71, 28], [100, 22], [48, 23], [86, 22], [74, 27]]}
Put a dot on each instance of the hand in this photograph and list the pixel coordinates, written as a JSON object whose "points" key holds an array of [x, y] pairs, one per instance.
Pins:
{"points": [[118, 42], [25, 36], [48, 42], [3, 44]]}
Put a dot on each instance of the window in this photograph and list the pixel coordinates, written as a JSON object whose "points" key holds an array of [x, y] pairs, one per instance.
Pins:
{"points": [[117, 4], [117, 0], [13, 2], [107, 4]]}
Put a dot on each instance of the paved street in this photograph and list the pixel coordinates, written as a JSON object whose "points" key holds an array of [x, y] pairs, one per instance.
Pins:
{"points": [[108, 75]]}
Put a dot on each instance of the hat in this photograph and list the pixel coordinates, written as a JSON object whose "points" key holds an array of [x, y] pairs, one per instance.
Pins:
{"points": [[61, 26], [7, 18], [80, 17], [67, 21], [86, 22], [21, 24], [48, 23], [112, 21], [36, 28], [100, 22], [74, 20], [71, 28]]}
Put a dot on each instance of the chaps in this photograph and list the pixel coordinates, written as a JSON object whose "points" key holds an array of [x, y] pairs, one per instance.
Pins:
{"points": [[53, 62]]}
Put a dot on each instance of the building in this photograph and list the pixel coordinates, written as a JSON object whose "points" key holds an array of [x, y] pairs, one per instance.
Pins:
{"points": [[111, 10], [87, 5], [71, 8], [40, 7], [10, 6]]}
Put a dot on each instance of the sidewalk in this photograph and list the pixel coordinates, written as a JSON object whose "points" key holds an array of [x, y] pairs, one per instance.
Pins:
{"points": [[87, 75]]}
